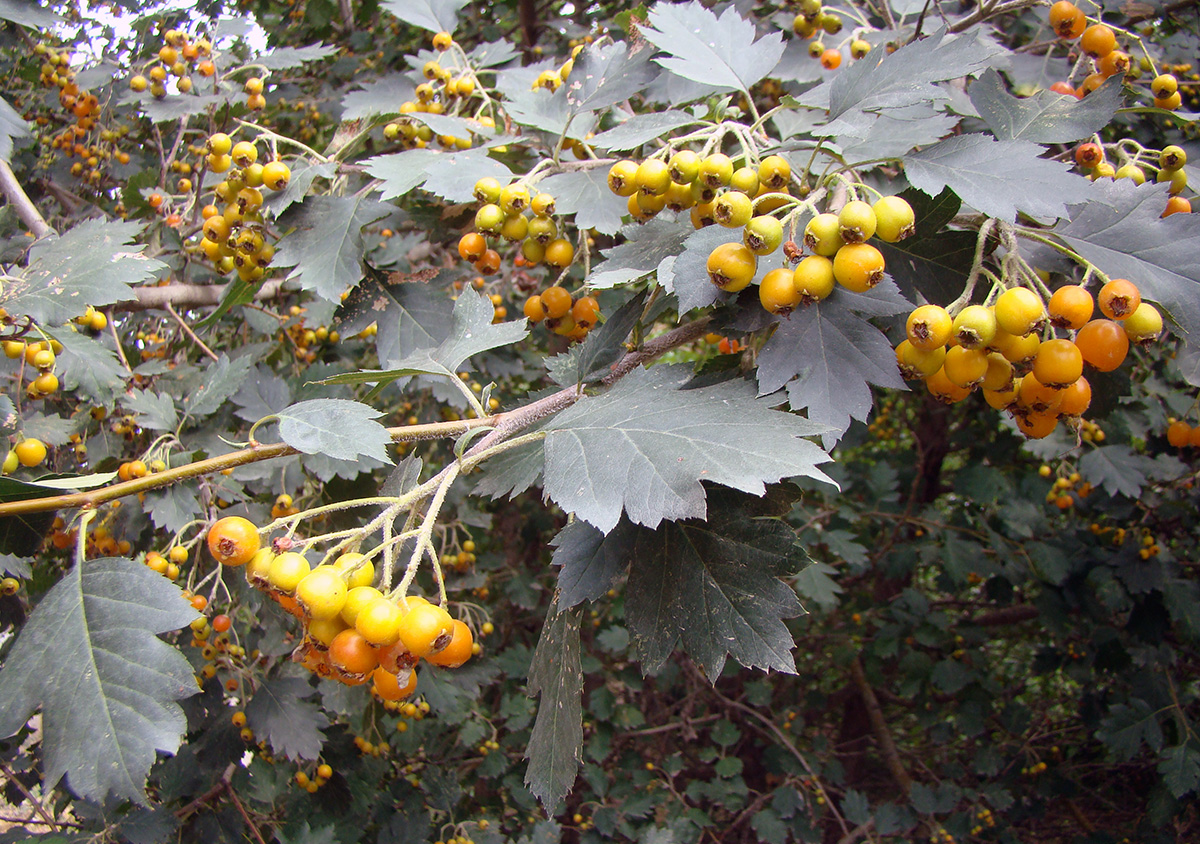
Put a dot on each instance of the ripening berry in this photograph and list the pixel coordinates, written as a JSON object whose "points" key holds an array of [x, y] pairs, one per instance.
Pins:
{"points": [[965, 367], [233, 541], [813, 279], [1097, 41], [1178, 433], [1019, 310], [1103, 343], [858, 266], [745, 179], [1144, 325], [821, 235], [1119, 298], [777, 292], [928, 327], [1058, 363], [716, 170], [731, 266], [1067, 20], [1070, 306], [856, 222]]}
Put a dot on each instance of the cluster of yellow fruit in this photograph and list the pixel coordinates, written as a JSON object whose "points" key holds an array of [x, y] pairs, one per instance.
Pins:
{"points": [[990, 346], [564, 315], [235, 238], [814, 19], [450, 83], [39, 356], [1091, 157], [1065, 489], [552, 80], [319, 777], [175, 57], [841, 254], [502, 214], [353, 633]]}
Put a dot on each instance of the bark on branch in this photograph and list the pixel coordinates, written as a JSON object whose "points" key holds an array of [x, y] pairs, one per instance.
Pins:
{"points": [[20, 201], [879, 726]]}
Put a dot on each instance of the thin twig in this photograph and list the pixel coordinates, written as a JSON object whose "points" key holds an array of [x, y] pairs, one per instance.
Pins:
{"points": [[28, 795], [882, 734], [245, 815], [20, 200], [187, 329]]}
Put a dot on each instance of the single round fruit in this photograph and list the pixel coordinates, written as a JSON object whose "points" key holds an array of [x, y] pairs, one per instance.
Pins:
{"points": [[928, 327], [390, 687], [733, 209], [831, 59], [777, 291], [1098, 40], [233, 540], [1103, 344], [1119, 298], [379, 622], [915, 363], [716, 170], [358, 597], [859, 48], [489, 219], [653, 177], [1077, 398], [1016, 348], [1000, 373], [356, 569], [894, 219], [458, 651], [622, 178], [821, 235], [287, 570], [856, 222], [471, 246], [1144, 325], [763, 234], [774, 172], [974, 327], [1178, 433], [557, 302], [1059, 363], [813, 279], [858, 266], [1070, 306], [1036, 426], [351, 652], [965, 367], [244, 153], [1132, 172], [1175, 205], [1163, 86], [585, 312], [322, 592], [1035, 397], [514, 198], [276, 175], [1019, 310], [487, 190], [426, 629], [945, 390], [1177, 180], [1089, 155], [745, 179], [684, 167], [731, 266], [559, 253], [1067, 20]]}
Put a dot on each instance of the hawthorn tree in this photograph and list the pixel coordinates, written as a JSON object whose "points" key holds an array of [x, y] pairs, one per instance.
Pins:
{"points": [[434, 421]]}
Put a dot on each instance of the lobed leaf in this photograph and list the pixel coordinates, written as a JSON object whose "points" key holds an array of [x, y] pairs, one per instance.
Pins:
{"points": [[12, 125], [89, 656], [1045, 118], [828, 356], [281, 713], [432, 15], [89, 366], [591, 561], [607, 74], [336, 428], [325, 245], [719, 51], [585, 194], [94, 263], [640, 129], [644, 446], [379, 96]]}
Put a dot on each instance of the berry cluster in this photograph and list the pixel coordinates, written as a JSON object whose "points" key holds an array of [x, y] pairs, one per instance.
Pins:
{"points": [[450, 85], [235, 238], [1182, 435], [841, 254], [564, 315], [320, 776], [39, 356], [353, 633], [176, 57], [1133, 160], [1001, 348], [511, 214], [815, 20]]}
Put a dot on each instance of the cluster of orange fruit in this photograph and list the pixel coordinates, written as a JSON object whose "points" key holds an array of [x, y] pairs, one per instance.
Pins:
{"points": [[234, 238], [1182, 435], [39, 356], [513, 214], [812, 19], [1001, 349], [564, 315], [176, 57], [353, 633], [1099, 43]]}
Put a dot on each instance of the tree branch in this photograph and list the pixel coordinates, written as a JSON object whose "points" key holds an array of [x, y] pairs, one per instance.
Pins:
{"points": [[190, 296], [20, 200], [879, 726]]}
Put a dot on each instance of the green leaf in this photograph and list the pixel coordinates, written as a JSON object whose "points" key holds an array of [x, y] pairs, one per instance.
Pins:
{"points": [[286, 58], [155, 411], [1180, 769], [452, 175], [816, 582], [90, 657], [607, 74], [12, 125], [471, 332], [172, 108], [15, 566], [22, 535], [590, 561], [585, 194], [689, 272], [433, 15], [1126, 727], [718, 51], [325, 244], [336, 428], [222, 378], [263, 395], [1117, 468], [644, 446], [998, 178], [1124, 235], [882, 81], [281, 713], [29, 14], [951, 677], [828, 356], [640, 129], [307, 835], [1045, 118], [645, 247], [93, 263], [557, 738], [932, 261], [379, 96], [714, 588], [548, 111], [173, 507], [89, 367], [856, 807], [893, 134]]}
